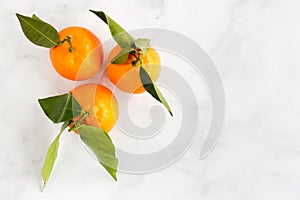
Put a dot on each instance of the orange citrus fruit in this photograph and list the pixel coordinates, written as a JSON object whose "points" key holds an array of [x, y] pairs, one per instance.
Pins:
{"points": [[126, 76], [85, 59], [100, 102]]}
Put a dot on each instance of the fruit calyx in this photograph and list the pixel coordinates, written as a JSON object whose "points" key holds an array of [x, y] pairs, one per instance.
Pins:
{"points": [[137, 54]]}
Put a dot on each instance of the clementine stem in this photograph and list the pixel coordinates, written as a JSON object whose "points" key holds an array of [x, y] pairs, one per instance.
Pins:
{"points": [[77, 123], [69, 40]]}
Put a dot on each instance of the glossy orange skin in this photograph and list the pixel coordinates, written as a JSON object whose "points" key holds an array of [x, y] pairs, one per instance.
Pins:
{"points": [[100, 102], [126, 76], [86, 59]]}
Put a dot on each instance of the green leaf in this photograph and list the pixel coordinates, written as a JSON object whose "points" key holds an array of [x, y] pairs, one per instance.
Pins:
{"points": [[122, 38], [152, 89], [51, 156], [34, 16], [100, 143], [122, 56], [60, 108], [38, 31], [143, 44]]}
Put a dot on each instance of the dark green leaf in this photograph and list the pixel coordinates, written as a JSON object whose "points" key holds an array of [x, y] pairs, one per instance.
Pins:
{"points": [[143, 44], [51, 157], [121, 37], [60, 108], [152, 89], [38, 31], [100, 143], [122, 56]]}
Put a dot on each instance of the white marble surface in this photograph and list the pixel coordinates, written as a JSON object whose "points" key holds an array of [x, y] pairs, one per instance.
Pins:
{"points": [[255, 45]]}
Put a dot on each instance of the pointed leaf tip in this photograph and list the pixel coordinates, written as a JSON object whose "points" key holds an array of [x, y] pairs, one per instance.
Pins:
{"points": [[100, 14], [122, 38], [50, 159], [101, 145], [152, 89]]}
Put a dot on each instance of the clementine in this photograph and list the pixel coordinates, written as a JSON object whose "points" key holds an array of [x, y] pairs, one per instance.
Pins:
{"points": [[126, 75], [79, 55], [101, 104]]}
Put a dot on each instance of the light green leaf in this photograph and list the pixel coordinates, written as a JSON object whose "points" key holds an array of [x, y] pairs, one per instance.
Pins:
{"points": [[152, 89], [38, 31], [122, 56], [60, 108], [143, 44], [122, 38], [100, 143], [51, 156]]}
